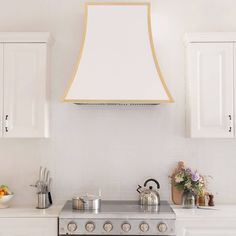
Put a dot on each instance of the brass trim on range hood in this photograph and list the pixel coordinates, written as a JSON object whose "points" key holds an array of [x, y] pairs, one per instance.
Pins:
{"points": [[119, 101]]}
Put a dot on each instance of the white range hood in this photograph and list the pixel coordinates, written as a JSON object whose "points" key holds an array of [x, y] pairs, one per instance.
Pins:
{"points": [[117, 63]]}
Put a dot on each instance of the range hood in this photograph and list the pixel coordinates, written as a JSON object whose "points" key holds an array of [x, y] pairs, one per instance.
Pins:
{"points": [[117, 63]]}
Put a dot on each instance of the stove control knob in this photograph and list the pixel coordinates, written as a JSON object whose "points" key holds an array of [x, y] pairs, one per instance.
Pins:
{"points": [[72, 226], [162, 227], [90, 226], [108, 226], [144, 227], [126, 227]]}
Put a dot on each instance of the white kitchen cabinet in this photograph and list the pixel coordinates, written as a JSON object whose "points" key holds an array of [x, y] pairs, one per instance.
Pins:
{"points": [[28, 226], [23, 83], [205, 227], [1, 89], [210, 85], [216, 221], [235, 87]]}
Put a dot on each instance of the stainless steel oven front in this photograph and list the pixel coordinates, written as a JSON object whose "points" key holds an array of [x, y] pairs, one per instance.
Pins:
{"points": [[118, 218]]}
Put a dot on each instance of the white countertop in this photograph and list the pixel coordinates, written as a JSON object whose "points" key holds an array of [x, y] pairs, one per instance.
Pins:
{"points": [[30, 212], [223, 210], [218, 211]]}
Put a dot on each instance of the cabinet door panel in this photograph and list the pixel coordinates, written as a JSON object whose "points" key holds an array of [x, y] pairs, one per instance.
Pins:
{"points": [[1, 89], [25, 68], [210, 73], [235, 86], [28, 226], [206, 227], [209, 232]]}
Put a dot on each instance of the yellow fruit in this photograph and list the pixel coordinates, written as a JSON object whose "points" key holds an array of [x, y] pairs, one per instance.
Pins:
{"points": [[4, 190]]}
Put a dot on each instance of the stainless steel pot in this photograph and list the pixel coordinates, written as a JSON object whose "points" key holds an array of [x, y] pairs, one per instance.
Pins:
{"points": [[86, 203]]}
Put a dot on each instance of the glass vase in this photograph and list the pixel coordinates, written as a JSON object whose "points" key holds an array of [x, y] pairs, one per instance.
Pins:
{"points": [[188, 199]]}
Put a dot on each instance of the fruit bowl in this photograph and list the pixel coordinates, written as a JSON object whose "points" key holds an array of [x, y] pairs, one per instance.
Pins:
{"points": [[5, 196], [5, 201]]}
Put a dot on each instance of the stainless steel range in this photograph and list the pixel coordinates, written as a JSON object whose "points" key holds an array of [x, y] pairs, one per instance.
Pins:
{"points": [[118, 218]]}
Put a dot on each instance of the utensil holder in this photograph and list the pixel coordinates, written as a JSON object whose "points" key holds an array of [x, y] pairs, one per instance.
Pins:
{"points": [[43, 201]]}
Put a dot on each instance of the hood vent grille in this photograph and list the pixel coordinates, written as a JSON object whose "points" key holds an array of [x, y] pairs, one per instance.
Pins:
{"points": [[120, 104]]}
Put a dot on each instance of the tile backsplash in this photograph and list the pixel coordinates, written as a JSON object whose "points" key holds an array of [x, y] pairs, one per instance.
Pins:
{"points": [[116, 148]]}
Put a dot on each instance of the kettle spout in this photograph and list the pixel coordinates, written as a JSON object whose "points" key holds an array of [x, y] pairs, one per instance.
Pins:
{"points": [[138, 189]]}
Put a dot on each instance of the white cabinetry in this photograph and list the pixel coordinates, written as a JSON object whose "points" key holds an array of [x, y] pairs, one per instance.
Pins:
{"points": [[23, 84], [1, 89], [210, 85], [205, 227], [217, 221], [28, 226]]}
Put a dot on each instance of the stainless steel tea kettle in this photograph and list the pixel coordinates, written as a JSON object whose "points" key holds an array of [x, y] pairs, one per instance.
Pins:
{"points": [[148, 196]]}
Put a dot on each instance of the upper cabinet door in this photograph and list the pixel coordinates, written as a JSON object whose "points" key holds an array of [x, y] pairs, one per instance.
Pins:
{"points": [[234, 86], [25, 105], [210, 90], [1, 89]]}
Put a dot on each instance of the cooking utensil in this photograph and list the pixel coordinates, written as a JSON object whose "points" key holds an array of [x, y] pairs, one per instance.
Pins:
{"points": [[49, 190], [148, 196], [47, 177], [44, 174], [40, 173], [43, 185], [88, 202], [43, 181], [39, 183]]}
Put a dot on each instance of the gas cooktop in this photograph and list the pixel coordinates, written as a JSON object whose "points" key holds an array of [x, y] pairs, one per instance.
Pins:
{"points": [[118, 217], [112, 209]]}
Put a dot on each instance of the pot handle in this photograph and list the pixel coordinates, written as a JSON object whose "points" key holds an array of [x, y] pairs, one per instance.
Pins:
{"points": [[82, 200], [152, 180]]}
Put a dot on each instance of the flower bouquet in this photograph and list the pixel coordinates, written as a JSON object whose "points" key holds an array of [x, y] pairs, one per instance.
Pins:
{"points": [[187, 179], [187, 182]]}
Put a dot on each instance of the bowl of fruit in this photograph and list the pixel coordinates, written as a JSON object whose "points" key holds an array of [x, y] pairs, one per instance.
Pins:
{"points": [[5, 196]]}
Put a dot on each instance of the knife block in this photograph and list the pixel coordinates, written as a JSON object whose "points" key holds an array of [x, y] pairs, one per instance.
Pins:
{"points": [[43, 201]]}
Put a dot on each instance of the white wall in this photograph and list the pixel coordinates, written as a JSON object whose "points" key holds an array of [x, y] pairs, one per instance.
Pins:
{"points": [[116, 148]]}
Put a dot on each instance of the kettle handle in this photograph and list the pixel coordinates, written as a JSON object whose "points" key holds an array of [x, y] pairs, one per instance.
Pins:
{"points": [[152, 180]]}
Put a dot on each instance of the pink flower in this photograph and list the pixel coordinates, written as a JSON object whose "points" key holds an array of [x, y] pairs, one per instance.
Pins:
{"points": [[195, 176], [188, 170], [178, 179]]}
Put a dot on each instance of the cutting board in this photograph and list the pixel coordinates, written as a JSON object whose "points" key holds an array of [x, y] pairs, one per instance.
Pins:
{"points": [[176, 194]]}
